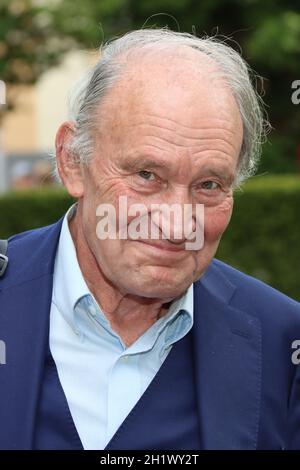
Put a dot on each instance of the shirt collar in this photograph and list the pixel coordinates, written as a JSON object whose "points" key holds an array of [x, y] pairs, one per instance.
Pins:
{"points": [[69, 287], [69, 284]]}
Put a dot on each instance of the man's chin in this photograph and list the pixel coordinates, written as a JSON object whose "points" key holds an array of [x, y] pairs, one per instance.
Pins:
{"points": [[162, 288]]}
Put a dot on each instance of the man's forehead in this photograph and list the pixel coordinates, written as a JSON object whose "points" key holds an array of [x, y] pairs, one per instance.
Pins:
{"points": [[145, 67], [183, 91], [173, 81]]}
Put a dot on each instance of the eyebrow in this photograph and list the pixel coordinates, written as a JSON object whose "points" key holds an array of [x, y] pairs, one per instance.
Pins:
{"points": [[224, 175], [142, 162], [151, 163]]}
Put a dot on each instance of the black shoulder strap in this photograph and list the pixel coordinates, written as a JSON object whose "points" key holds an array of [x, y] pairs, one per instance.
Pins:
{"points": [[3, 257]]}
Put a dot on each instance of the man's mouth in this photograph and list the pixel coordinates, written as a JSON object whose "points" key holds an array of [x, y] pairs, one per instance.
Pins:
{"points": [[165, 246]]}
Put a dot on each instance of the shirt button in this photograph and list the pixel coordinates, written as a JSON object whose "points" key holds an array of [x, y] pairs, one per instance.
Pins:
{"points": [[93, 311], [125, 358]]}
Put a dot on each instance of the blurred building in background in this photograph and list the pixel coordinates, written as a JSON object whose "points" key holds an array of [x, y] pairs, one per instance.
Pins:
{"points": [[28, 131]]}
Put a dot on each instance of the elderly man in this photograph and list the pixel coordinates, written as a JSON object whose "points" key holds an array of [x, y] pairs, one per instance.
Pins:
{"points": [[117, 341]]}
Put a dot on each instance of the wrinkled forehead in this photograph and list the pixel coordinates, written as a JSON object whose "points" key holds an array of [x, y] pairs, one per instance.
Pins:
{"points": [[178, 83], [158, 67]]}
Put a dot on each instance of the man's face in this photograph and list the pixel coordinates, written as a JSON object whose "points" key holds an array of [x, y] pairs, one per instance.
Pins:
{"points": [[169, 135]]}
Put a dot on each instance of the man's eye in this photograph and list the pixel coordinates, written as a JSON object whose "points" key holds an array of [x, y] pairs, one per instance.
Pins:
{"points": [[209, 185], [147, 175]]}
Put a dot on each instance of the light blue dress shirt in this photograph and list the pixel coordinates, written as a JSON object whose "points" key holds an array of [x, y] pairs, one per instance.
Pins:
{"points": [[101, 378]]}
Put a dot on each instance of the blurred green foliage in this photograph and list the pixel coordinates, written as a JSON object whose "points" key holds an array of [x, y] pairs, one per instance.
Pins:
{"points": [[30, 42], [263, 238]]}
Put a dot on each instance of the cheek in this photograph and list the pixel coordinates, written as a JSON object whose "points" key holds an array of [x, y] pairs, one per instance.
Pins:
{"points": [[216, 220]]}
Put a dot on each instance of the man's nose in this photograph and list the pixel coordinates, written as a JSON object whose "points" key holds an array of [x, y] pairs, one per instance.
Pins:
{"points": [[177, 216]]}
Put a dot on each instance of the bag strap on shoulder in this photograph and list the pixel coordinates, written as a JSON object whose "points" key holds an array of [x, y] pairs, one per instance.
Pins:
{"points": [[3, 257]]}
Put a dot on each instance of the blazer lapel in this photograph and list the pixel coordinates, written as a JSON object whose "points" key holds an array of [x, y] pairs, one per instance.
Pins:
{"points": [[227, 352], [25, 299]]}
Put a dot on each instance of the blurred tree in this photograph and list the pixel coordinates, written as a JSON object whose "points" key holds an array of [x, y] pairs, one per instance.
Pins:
{"points": [[35, 34], [29, 44], [89, 21], [274, 47]]}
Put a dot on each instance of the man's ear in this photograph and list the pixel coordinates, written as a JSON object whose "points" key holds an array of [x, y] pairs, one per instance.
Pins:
{"points": [[69, 169]]}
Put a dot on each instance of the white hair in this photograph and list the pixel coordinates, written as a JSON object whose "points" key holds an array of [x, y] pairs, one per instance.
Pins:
{"points": [[89, 92]]}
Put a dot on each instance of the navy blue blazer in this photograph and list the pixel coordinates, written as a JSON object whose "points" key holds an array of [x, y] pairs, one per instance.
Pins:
{"points": [[246, 386]]}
